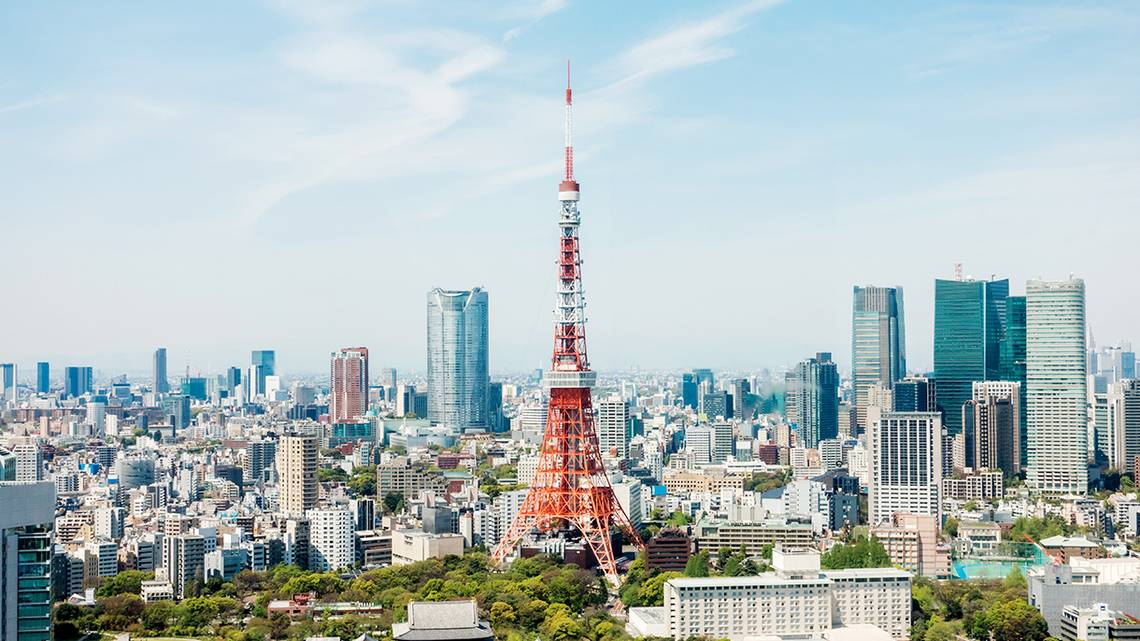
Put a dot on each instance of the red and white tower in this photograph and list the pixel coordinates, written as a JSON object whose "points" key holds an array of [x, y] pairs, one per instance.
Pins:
{"points": [[570, 487]]}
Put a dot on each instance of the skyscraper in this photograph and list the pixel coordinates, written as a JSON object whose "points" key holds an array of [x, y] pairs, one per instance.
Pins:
{"points": [[1124, 406], [878, 342], [815, 389], [905, 451], [916, 394], [613, 427], [1012, 362], [7, 382], [297, 473], [29, 462], [262, 363], [77, 381], [26, 560], [161, 384], [1057, 399], [969, 321], [689, 390], [991, 424], [43, 377], [457, 358], [349, 384]]}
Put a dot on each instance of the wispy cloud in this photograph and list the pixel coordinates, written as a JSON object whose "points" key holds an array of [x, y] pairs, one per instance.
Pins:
{"points": [[534, 14], [31, 103], [689, 45], [980, 33]]}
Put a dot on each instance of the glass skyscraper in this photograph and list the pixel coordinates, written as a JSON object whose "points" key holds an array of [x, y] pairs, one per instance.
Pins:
{"points": [[1057, 399], [262, 363], [1012, 361], [25, 560], [815, 389], [43, 377], [161, 384], [457, 358], [969, 322], [878, 343], [77, 381]]}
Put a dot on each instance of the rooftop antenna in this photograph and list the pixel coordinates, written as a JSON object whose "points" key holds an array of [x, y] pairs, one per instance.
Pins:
{"points": [[957, 271]]}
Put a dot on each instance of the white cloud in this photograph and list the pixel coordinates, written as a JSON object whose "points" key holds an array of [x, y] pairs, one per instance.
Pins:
{"points": [[534, 12], [689, 45]]}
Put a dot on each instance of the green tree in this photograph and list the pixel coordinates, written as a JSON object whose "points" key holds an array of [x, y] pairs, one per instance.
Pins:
{"points": [[678, 519], [394, 502], [863, 553], [125, 582], [502, 614], [698, 565], [652, 592], [157, 615], [1013, 620], [938, 629]]}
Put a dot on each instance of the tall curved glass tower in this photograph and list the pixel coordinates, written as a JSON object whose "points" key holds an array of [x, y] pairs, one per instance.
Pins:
{"points": [[457, 358]]}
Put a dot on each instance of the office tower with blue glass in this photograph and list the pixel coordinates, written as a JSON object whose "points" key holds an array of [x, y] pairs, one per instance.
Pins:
{"points": [[457, 358], [969, 322], [26, 560], [262, 363], [43, 377], [1012, 363], [7, 382], [689, 390], [161, 384], [814, 389], [1057, 399], [878, 343], [77, 381]]}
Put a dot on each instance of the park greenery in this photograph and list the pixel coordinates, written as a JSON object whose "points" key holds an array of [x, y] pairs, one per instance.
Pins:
{"points": [[535, 596], [982, 610]]}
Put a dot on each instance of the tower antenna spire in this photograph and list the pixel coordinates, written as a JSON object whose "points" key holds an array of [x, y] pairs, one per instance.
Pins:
{"points": [[569, 177]]}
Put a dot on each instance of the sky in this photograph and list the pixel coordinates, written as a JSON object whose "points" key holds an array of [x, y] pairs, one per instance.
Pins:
{"points": [[222, 176]]}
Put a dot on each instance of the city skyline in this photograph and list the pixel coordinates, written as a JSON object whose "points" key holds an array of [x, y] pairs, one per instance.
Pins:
{"points": [[828, 163]]}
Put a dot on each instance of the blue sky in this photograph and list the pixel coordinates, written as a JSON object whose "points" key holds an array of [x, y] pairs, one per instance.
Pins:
{"points": [[224, 176]]}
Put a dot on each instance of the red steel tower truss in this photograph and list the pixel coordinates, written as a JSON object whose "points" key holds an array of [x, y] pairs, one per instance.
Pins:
{"points": [[570, 485]]}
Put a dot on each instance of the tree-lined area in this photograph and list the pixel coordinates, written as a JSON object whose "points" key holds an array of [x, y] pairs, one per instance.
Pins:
{"points": [[539, 595]]}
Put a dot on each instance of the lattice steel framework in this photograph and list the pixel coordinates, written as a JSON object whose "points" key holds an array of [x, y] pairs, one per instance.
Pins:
{"points": [[570, 486]]}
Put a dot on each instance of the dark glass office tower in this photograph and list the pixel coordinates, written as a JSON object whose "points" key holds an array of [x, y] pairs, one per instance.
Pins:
{"points": [[1012, 361], [916, 394], [43, 378], [969, 322], [878, 343], [689, 390], [815, 389]]}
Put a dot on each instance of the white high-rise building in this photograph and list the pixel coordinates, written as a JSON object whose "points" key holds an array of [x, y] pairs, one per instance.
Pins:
{"points": [[699, 442], [613, 427], [457, 358], [905, 457], [1056, 384], [29, 462], [330, 539]]}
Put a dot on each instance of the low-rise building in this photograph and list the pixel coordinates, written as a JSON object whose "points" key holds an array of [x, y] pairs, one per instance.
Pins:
{"points": [[1097, 623], [797, 600], [911, 540], [410, 546], [975, 485], [442, 621], [1083, 583], [752, 536], [707, 480]]}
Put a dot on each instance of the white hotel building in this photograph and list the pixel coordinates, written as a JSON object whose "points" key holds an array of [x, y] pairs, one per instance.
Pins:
{"points": [[797, 600]]}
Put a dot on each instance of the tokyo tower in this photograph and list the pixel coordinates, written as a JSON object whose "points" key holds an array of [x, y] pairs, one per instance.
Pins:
{"points": [[570, 486]]}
